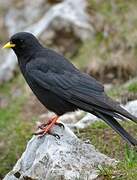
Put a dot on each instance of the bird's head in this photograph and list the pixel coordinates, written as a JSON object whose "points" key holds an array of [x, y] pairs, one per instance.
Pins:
{"points": [[23, 43]]}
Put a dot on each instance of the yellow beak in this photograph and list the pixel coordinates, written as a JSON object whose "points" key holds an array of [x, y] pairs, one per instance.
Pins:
{"points": [[9, 45]]}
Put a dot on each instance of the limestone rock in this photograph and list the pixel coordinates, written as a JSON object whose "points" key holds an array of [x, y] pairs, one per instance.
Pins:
{"points": [[67, 158], [132, 107]]}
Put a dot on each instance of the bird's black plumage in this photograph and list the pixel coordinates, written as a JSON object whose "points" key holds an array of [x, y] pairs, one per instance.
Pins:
{"points": [[62, 88]]}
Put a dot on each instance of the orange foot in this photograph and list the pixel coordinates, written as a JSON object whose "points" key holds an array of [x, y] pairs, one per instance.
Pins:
{"points": [[45, 127]]}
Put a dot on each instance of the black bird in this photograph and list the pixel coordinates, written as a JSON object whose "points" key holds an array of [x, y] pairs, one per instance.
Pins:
{"points": [[62, 88]]}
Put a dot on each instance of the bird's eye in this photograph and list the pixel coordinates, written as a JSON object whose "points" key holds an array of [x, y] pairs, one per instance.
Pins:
{"points": [[21, 40]]}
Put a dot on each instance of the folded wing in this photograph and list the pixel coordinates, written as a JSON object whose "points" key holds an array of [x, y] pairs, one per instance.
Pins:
{"points": [[85, 92]]}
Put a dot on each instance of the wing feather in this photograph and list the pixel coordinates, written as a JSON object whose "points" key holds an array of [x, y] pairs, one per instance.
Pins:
{"points": [[77, 88]]}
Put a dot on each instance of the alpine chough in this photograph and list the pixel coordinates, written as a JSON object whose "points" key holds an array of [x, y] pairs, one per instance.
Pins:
{"points": [[62, 88]]}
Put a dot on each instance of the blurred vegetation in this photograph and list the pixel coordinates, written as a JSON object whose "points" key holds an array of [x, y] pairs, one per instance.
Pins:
{"points": [[111, 53], [108, 142], [14, 131], [116, 30], [124, 92], [115, 22]]}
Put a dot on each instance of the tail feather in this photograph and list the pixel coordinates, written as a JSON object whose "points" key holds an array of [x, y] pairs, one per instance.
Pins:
{"points": [[116, 107], [109, 115], [117, 127], [126, 114], [108, 112]]}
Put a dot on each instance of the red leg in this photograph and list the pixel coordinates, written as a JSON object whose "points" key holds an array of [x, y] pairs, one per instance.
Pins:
{"points": [[43, 125], [46, 127]]}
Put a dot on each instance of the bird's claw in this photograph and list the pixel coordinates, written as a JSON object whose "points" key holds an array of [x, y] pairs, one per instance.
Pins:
{"points": [[60, 125], [46, 128], [55, 135], [40, 134], [42, 126]]}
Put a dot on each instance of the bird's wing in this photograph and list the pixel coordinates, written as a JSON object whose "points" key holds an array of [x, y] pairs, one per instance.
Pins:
{"points": [[77, 88], [69, 85]]}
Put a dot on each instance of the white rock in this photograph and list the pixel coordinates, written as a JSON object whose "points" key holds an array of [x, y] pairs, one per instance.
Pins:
{"points": [[132, 107], [67, 158], [87, 120]]}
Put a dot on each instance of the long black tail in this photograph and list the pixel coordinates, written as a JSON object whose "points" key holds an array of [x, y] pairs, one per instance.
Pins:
{"points": [[116, 107], [111, 121], [109, 115]]}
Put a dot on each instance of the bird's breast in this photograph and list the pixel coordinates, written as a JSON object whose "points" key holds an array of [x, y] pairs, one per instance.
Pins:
{"points": [[49, 99]]}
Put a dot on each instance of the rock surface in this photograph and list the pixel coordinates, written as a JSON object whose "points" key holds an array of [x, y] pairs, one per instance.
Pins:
{"points": [[67, 158], [131, 106]]}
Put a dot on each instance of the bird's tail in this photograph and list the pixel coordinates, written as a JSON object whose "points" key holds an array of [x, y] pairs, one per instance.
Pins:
{"points": [[109, 115], [126, 114], [117, 108], [111, 121]]}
